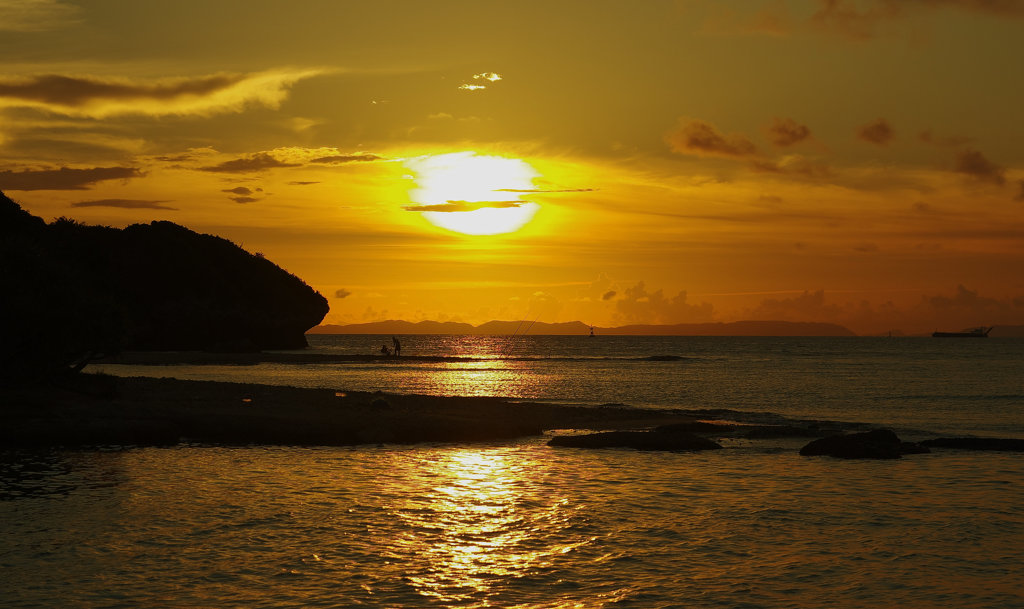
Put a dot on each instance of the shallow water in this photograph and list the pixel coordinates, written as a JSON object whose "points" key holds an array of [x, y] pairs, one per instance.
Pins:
{"points": [[525, 525], [918, 385], [520, 525]]}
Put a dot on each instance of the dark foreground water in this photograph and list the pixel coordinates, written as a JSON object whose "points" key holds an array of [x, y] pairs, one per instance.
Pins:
{"points": [[525, 525]]}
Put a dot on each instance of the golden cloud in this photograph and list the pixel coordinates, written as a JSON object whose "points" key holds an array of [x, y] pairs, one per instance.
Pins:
{"points": [[126, 204], [96, 97], [63, 178]]}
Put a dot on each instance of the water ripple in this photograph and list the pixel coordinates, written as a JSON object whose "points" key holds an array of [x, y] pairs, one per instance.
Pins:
{"points": [[512, 526]]}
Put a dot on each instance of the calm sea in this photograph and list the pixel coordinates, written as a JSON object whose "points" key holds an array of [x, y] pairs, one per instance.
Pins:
{"points": [[520, 524]]}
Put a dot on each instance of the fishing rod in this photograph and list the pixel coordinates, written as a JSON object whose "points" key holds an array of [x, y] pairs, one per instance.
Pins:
{"points": [[511, 341]]}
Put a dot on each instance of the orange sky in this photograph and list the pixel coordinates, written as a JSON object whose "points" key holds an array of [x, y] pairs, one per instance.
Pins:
{"points": [[860, 162]]}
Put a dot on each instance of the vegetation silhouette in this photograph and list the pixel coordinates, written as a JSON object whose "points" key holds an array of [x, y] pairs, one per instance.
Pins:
{"points": [[73, 292]]}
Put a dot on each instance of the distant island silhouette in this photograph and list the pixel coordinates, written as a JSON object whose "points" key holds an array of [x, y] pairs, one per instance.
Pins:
{"points": [[73, 291], [499, 328]]}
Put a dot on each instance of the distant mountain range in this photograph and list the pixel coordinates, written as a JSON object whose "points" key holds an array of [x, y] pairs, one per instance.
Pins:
{"points": [[501, 328]]}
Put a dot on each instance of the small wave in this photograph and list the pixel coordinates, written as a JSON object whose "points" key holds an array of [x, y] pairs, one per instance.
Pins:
{"points": [[646, 358]]}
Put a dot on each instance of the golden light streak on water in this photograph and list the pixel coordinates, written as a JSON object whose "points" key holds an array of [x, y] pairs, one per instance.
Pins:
{"points": [[480, 526], [483, 377]]}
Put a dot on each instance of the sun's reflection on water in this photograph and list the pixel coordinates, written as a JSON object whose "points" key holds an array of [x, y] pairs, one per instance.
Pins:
{"points": [[484, 377], [480, 524]]}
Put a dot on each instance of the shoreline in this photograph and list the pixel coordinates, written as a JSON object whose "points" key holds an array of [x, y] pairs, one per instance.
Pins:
{"points": [[98, 410], [148, 411]]}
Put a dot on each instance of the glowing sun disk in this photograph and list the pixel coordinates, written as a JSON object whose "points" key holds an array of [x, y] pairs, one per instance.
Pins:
{"points": [[464, 180]]}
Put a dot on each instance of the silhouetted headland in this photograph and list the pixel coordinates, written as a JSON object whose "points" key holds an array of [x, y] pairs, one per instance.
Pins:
{"points": [[73, 291]]}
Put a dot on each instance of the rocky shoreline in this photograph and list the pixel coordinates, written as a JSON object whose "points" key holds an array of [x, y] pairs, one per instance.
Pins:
{"points": [[98, 410], [141, 411]]}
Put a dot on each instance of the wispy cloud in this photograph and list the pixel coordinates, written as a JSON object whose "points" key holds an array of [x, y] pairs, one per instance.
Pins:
{"points": [[242, 190], [347, 158], [244, 194], [125, 204], [787, 132], [342, 293], [861, 19], [976, 166], [638, 305], [64, 178], [455, 206], [928, 137], [878, 132], [700, 138], [261, 161], [852, 19], [794, 164], [97, 97], [35, 15]]}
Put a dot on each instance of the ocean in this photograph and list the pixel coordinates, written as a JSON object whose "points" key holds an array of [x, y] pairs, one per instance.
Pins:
{"points": [[521, 524]]}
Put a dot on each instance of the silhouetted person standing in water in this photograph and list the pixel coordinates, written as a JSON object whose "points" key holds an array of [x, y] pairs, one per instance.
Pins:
{"points": [[397, 345]]}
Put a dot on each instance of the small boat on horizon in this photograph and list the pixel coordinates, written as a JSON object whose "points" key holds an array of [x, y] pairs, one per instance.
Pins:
{"points": [[980, 332]]}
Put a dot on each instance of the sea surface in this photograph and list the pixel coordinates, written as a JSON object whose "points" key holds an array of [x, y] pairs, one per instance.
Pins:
{"points": [[521, 524]]}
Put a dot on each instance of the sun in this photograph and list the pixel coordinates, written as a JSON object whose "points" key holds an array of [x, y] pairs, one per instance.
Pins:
{"points": [[472, 194]]}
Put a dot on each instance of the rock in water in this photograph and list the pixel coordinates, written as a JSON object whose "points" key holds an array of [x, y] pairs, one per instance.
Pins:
{"points": [[874, 444]]}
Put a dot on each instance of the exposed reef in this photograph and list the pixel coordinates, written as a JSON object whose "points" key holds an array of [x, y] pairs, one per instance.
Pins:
{"points": [[90, 410], [102, 410]]}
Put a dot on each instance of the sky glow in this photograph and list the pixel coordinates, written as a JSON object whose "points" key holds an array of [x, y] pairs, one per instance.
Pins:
{"points": [[858, 162]]}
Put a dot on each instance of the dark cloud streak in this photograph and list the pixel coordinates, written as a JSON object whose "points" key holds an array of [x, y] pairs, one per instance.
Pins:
{"points": [[540, 190], [64, 178], [74, 91], [125, 204], [975, 165], [347, 158], [242, 190], [260, 161], [698, 137], [878, 132], [786, 132], [458, 206]]}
